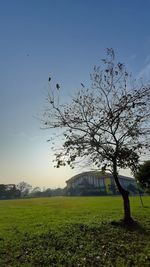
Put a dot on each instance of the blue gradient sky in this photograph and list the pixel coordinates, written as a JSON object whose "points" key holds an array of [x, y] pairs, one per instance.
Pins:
{"points": [[64, 38]]}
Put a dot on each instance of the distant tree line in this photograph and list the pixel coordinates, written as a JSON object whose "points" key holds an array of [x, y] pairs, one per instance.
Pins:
{"points": [[25, 190], [9, 191]]}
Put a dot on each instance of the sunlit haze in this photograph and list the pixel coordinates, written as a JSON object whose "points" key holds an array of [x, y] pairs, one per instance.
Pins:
{"points": [[64, 39]]}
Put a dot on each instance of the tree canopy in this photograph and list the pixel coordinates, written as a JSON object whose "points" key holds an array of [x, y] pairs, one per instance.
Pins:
{"points": [[143, 175]]}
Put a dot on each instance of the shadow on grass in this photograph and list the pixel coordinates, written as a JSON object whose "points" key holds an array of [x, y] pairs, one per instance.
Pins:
{"points": [[135, 226], [79, 244]]}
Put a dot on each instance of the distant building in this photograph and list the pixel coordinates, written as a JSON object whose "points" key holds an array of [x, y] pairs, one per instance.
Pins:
{"points": [[86, 182]]}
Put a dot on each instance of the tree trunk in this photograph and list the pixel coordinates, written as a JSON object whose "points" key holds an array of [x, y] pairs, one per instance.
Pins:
{"points": [[127, 211], [127, 220]]}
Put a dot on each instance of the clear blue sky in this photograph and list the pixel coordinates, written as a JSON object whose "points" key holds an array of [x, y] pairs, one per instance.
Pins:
{"points": [[64, 38]]}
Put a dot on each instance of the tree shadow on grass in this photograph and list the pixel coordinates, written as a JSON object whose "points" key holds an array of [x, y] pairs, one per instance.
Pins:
{"points": [[134, 227], [77, 244]]}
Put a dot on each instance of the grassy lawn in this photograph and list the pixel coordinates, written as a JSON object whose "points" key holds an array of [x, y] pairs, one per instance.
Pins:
{"points": [[73, 231]]}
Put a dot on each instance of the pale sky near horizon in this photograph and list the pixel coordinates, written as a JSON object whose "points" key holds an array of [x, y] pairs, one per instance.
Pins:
{"points": [[64, 39]]}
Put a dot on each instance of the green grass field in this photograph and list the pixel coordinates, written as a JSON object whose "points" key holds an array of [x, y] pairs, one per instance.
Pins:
{"points": [[73, 231]]}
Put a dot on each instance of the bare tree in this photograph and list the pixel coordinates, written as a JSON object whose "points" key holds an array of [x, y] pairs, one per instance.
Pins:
{"points": [[107, 124], [24, 188]]}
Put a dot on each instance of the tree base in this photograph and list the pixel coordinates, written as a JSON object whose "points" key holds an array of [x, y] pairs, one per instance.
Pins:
{"points": [[126, 222]]}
